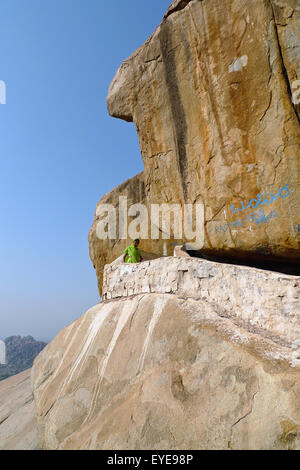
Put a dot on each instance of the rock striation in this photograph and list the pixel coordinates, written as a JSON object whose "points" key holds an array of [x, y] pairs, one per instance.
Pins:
{"points": [[184, 354], [212, 93]]}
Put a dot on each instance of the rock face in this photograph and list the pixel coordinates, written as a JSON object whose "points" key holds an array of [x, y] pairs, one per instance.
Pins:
{"points": [[184, 353], [210, 93], [176, 359], [18, 430]]}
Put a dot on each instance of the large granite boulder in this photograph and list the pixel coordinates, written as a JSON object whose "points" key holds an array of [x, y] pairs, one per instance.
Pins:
{"points": [[213, 95], [185, 354]]}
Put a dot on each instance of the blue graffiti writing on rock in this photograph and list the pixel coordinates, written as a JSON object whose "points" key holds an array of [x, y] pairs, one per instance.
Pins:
{"points": [[258, 218], [296, 228], [283, 193]]}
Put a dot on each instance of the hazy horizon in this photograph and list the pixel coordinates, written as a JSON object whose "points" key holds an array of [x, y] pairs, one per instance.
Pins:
{"points": [[43, 339]]}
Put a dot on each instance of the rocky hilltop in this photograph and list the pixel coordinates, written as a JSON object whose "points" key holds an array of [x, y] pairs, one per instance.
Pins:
{"points": [[183, 352], [19, 354]]}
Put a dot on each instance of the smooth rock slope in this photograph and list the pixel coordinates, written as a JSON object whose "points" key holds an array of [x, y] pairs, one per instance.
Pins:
{"points": [[158, 368], [18, 428]]}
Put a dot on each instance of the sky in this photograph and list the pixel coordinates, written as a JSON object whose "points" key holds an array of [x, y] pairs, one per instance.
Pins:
{"points": [[60, 151]]}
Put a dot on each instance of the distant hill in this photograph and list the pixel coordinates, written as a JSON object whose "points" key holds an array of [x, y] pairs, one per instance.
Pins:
{"points": [[20, 354]]}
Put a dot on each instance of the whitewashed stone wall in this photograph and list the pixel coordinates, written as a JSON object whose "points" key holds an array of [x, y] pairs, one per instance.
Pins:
{"points": [[261, 300]]}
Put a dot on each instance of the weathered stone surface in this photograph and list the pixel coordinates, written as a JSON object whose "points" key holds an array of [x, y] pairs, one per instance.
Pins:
{"points": [[18, 428], [210, 95], [183, 361], [263, 302], [286, 13]]}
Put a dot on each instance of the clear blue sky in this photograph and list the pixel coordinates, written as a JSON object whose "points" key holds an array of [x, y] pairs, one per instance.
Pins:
{"points": [[60, 150]]}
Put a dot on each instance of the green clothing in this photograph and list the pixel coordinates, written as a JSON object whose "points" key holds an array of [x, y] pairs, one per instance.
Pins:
{"points": [[133, 254]]}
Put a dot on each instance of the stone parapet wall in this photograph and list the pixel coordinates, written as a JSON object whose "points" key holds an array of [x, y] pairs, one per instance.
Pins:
{"points": [[259, 299]]}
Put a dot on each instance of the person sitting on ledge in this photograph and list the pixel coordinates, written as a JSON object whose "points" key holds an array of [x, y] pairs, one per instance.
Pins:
{"points": [[132, 253]]}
